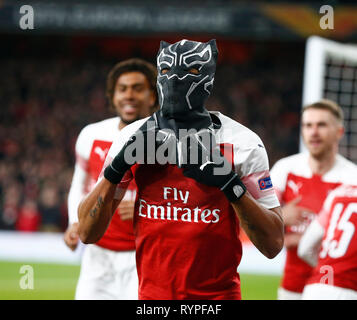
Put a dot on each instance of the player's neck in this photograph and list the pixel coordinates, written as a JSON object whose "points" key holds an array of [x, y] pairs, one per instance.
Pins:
{"points": [[321, 165], [121, 125]]}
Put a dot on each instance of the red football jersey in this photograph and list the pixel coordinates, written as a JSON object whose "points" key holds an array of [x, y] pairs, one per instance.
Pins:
{"points": [[337, 263], [200, 222], [292, 178], [187, 233]]}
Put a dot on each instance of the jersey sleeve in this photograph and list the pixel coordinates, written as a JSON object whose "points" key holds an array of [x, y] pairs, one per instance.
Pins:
{"points": [[310, 242], [278, 177], [253, 168], [83, 147], [76, 191], [323, 216]]}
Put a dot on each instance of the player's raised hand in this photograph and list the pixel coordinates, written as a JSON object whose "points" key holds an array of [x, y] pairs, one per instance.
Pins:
{"points": [[126, 209], [203, 162], [293, 214]]}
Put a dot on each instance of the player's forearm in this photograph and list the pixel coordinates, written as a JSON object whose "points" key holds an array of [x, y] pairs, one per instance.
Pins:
{"points": [[310, 242], [264, 227], [95, 212]]}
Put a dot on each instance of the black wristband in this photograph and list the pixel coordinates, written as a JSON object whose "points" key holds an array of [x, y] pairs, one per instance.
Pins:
{"points": [[234, 189], [112, 175]]}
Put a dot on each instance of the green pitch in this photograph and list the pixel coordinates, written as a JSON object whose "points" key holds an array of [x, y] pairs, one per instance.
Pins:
{"points": [[50, 281], [259, 287], [58, 282]]}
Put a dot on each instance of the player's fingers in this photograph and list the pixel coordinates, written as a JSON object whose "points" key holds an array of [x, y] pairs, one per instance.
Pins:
{"points": [[126, 214], [73, 246], [74, 236], [296, 200], [74, 243], [126, 217], [125, 208], [66, 237], [126, 203], [305, 211]]}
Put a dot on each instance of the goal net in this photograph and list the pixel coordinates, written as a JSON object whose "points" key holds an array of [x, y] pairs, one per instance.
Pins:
{"points": [[330, 72]]}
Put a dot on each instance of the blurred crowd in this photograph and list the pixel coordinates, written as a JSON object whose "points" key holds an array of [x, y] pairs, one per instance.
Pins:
{"points": [[46, 101]]}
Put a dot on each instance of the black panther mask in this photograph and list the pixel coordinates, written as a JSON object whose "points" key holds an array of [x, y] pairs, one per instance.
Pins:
{"points": [[185, 78]]}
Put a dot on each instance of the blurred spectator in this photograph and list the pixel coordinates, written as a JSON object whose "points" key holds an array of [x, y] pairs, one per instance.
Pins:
{"points": [[29, 218], [50, 208], [11, 204]]}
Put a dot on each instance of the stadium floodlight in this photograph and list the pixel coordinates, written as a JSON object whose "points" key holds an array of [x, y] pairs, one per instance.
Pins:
{"points": [[330, 72]]}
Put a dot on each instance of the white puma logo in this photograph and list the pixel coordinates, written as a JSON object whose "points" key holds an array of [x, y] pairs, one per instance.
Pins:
{"points": [[294, 186], [102, 153], [205, 164]]}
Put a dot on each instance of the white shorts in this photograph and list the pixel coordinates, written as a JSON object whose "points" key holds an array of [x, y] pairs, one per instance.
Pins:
{"points": [[284, 294], [107, 275], [321, 291]]}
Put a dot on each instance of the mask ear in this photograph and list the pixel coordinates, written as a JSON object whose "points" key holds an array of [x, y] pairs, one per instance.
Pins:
{"points": [[163, 45], [213, 44]]}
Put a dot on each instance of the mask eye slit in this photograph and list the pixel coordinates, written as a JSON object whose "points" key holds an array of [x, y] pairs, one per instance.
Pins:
{"points": [[194, 71], [164, 70]]}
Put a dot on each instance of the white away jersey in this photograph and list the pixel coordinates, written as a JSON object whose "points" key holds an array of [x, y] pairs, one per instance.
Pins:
{"points": [[339, 246], [293, 178], [105, 130], [92, 146], [94, 139], [240, 145], [297, 166]]}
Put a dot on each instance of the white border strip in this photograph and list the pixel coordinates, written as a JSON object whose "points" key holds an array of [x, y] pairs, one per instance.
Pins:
{"points": [[37, 247], [50, 248]]}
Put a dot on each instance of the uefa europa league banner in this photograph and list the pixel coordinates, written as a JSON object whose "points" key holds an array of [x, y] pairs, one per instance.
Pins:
{"points": [[253, 21]]}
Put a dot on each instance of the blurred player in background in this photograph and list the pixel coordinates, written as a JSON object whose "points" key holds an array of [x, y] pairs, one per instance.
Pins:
{"points": [[108, 269], [302, 182], [330, 245], [187, 217]]}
